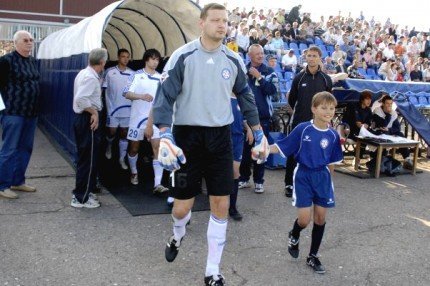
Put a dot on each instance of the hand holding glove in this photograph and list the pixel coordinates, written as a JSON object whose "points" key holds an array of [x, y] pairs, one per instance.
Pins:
{"points": [[169, 153], [261, 149]]}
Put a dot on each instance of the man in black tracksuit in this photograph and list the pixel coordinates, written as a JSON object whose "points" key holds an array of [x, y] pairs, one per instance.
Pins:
{"points": [[305, 85]]}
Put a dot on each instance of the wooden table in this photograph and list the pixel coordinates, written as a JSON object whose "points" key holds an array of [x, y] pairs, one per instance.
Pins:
{"points": [[381, 146]]}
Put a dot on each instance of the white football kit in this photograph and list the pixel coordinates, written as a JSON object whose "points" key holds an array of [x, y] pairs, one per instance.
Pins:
{"points": [[118, 107], [141, 83]]}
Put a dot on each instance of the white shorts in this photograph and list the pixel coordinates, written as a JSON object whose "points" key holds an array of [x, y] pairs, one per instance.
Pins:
{"points": [[112, 121], [137, 134]]}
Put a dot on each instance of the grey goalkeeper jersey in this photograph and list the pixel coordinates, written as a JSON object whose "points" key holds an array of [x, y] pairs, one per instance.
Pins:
{"points": [[196, 86]]}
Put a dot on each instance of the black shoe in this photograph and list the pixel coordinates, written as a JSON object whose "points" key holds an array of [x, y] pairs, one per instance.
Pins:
{"points": [[172, 249], [293, 245], [210, 280], [235, 215], [288, 191], [315, 263]]}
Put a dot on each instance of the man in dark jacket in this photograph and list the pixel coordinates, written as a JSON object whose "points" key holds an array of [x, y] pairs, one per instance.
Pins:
{"points": [[19, 88], [305, 85], [261, 80]]}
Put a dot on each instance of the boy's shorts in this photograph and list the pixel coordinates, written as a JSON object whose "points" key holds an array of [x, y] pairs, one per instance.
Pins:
{"points": [[237, 141], [312, 186], [137, 133], [112, 121]]}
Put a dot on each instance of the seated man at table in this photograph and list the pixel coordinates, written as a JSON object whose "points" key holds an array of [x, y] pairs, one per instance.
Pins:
{"points": [[384, 121], [358, 115]]}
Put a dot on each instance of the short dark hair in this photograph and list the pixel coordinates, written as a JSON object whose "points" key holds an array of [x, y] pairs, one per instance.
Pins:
{"points": [[365, 94], [151, 53], [385, 98], [315, 49], [120, 51], [210, 6]]}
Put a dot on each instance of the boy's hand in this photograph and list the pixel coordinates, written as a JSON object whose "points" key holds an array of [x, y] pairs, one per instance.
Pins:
{"points": [[261, 150]]}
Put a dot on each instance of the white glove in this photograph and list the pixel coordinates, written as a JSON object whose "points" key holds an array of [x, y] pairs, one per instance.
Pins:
{"points": [[261, 149], [169, 153]]}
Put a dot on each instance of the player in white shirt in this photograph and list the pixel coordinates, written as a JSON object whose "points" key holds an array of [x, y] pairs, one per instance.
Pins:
{"points": [[118, 107], [141, 89]]}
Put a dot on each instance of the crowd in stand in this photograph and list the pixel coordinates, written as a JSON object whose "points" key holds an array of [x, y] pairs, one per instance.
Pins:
{"points": [[361, 47], [5, 47]]}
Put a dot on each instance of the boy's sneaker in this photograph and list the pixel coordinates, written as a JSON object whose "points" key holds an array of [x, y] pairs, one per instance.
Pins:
{"points": [[89, 204], [315, 263], [123, 164], [134, 179], [244, 184], [259, 189], [293, 245], [108, 152], [215, 280], [160, 190], [289, 191], [172, 249]]}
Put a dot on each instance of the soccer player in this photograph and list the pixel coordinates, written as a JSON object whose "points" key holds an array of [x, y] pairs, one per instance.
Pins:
{"points": [[195, 96], [316, 147], [141, 89], [118, 107]]}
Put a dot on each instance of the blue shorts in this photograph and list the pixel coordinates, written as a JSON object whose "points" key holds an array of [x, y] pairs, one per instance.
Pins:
{"points": [[237, 141], [312, 187]]}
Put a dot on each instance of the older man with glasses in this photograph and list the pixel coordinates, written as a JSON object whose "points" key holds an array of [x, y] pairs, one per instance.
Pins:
{"points": [[19, 88]]}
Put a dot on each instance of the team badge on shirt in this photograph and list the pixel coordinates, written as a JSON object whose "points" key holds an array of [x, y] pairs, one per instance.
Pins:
{"points": [[226, 73], [324, 143]]}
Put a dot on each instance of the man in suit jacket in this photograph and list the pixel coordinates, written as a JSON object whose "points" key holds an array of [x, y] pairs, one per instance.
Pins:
{"points": [[425, 50]]}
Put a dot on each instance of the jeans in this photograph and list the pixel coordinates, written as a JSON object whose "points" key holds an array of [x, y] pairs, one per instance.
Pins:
{"points": [[247, 162], [16, 149]]}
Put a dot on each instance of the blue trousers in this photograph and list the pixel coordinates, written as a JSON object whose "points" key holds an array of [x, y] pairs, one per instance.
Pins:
{"points": [[16, 149], [247, 162]]}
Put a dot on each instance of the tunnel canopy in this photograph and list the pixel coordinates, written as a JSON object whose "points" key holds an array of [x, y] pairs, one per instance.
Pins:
{"points": [[136, 25]]}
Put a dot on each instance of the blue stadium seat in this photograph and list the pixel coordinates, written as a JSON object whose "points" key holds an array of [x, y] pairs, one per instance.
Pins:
{"points": [[413, 100], [294, 46], [318, 41], [303, 46], [286, 47], [310, 40], [289, 76]]}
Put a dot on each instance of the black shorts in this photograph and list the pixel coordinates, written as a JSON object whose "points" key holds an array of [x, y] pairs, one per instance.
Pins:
{"points": [[209, 155]]}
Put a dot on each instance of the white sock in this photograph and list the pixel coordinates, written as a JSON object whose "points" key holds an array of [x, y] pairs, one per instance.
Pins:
{"points": [[179, 226], [123, 144], [217, 230], [158, 172], [132, 161], [170, 200]]}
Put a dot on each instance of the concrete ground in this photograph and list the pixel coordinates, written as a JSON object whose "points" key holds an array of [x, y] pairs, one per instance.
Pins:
{"points": [[378, 234]]}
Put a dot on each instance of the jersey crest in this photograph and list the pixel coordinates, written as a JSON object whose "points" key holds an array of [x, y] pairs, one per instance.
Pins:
{"points": [[226, 73], [324, 143]]}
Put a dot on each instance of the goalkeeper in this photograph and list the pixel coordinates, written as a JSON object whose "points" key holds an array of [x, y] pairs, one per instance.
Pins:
{"points": [[195, 94]]}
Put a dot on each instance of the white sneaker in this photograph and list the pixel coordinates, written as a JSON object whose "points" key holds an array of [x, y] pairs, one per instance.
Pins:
{"points": [[244, 185], [159, 190], [134, 179], [8, 194], [90, 204], [123, 164], [93, 196], [259, 189], [108, 152]]}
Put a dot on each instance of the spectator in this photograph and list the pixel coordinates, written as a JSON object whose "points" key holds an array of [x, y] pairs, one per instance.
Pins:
{"points": [[340, 66], [328, 66], [425, 47], [87, 105], [260, 79], [289, 61], [416, 74], [338, 53], [232, 45], [243, 41], [353, 70], [19, 88]]}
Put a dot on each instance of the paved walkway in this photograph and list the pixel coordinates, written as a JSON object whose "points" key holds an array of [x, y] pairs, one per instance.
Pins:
{"points": [[379, 234]]}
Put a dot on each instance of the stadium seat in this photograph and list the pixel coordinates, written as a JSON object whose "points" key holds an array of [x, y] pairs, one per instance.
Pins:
{"points": [[303, 46], [413, 100], [371, 72], [286, 47], [310, 40], [294, 46], [318, 41], [289, 76]]}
